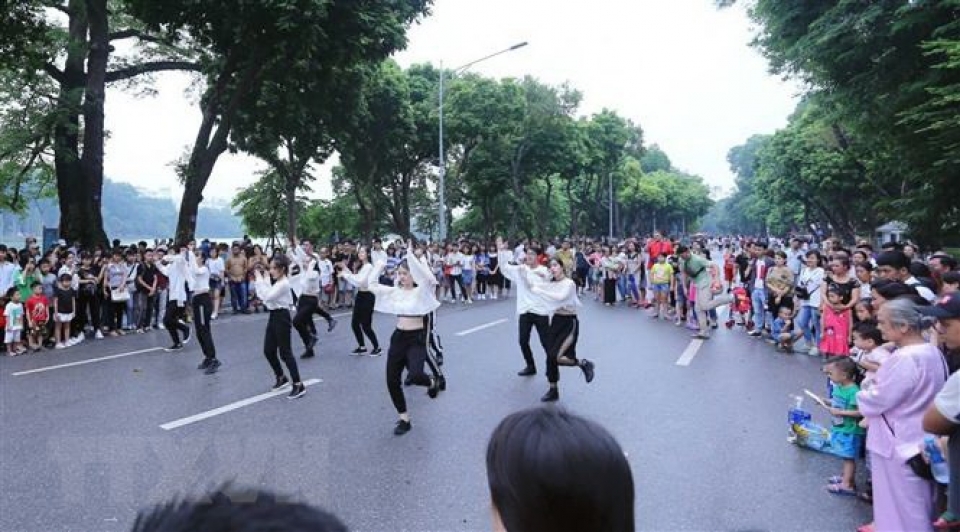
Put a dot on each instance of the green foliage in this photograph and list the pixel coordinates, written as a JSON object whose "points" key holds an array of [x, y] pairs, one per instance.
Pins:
{"points": [[261, 206], [331, 220], [885, 77]]}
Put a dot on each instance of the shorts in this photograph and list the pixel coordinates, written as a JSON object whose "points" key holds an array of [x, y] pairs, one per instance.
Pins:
{"points": [[467, 277], [216, 284], [63, 318], [846, 445], [345, 286], [11, 337], [661, 288]]}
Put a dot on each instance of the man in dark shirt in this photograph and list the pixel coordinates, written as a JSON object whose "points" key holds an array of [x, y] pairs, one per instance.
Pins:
{"points": [[147, 283]]}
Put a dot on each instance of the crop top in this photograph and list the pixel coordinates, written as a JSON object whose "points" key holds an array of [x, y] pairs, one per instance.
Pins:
{"points": [[418, 301], [558, 296], [361, 279]]}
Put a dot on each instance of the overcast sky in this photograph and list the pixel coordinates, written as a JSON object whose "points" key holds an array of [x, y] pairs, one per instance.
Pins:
{"points": [[681, 69]]}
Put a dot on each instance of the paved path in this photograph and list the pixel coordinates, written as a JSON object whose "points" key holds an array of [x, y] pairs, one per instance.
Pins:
{"points": [[84, 446]]}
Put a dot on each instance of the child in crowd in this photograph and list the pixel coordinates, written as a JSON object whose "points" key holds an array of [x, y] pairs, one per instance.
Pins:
{"points": [[38, 313], [13, 313], [846, 436], [661, 279], [951, 283], [835, 326], [64, 307], [863, 311], [740, 308], [868, 353], [680, 293], [783, 332]]}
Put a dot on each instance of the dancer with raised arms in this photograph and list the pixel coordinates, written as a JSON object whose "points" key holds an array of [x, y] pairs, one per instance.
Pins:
{"points": [[532, 311], [278, 299], [362, 319], [560, 297], [411, 300]]}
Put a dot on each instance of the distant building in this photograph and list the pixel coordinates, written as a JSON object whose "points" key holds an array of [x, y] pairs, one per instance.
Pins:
{"points": [[890, 232]]}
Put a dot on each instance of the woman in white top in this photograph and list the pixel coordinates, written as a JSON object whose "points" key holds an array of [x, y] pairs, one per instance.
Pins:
{"points": [[216, 265], [202, 303], [277, 298], [362, 320], [306, 286], [410, 302], [809, 295], [560, 296]]}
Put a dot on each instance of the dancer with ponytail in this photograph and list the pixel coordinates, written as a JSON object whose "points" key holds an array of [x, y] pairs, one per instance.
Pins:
{"points": [[278, 298]]}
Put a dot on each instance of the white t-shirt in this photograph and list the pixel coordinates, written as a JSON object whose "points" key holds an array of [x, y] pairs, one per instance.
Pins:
{"points": [[326, 271], [948, 400], [216, 267], [812, 280], [455, 262], [468, 261]]}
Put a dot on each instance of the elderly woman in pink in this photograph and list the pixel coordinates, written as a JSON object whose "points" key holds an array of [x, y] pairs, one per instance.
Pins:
{"points": [[894, 406]]}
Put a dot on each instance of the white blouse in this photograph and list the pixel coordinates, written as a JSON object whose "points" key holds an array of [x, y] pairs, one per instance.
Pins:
{"points": [[418, 301], [558, 296], [361, 279], [199, 278], [307, 282], [276, 296]]}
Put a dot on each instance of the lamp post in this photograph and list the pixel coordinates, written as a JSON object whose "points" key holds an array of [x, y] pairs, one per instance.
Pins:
{"points": [[443, 161]]}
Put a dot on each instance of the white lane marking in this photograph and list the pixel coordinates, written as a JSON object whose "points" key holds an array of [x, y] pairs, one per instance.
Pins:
{"points": [[481, 327], [690, 352], [230, 407], [88, 361]]}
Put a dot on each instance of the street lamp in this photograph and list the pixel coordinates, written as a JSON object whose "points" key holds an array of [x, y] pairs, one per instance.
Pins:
{"points": [[443, 161]]}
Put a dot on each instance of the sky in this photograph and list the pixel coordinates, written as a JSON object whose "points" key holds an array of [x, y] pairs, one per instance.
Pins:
{"points": [[681, 69]]}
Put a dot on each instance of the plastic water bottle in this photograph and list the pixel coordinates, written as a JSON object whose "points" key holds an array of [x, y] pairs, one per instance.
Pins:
{"points": [[939, 467], [797, 415]]}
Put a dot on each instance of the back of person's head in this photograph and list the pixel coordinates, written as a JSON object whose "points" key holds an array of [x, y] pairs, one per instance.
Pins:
{"points": [[893, 258], [549, 470], [252, 511]]}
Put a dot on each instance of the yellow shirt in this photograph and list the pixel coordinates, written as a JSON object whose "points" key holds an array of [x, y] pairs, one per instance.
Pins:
{"points": [[661, 273]]}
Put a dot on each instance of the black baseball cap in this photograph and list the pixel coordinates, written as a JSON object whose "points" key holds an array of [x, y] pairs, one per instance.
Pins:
{"points": [[946, 308]]}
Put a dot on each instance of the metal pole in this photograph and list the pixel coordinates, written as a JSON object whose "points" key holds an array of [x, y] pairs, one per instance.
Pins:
{"points": [[443, 170], [610, 184]]}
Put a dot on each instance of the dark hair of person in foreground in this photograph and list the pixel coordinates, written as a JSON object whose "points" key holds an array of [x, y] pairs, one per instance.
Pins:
{"points": [[236, 511], [553, 471]]}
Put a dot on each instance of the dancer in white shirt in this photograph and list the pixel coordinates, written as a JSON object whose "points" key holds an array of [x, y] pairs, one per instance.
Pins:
{"points": [[532, 311], [278, 299], [362, 320], [560, 297], [174, 267], [202, 304], [411, 300], [306, 285]]}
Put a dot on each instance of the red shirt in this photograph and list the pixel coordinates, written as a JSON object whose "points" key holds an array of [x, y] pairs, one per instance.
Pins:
{"points": [[38, 309], [655, 248]]}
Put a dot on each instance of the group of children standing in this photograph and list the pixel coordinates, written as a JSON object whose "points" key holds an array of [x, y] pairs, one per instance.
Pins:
{"points": [[27, 322]]}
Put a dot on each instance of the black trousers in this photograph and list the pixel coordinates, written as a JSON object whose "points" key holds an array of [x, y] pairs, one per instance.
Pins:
{"points": [[146, 312], [408, 349], [609, 291], [202, 312], [276, 344], [482, 283], [564, 331], [87, 304], [307, 306], [362, 321], [173, 321], [529, 320]]}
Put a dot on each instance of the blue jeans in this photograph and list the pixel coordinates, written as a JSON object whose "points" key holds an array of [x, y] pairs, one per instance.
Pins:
{"points": [[759, 299], [238, 295], [632, 286], [808, 314]]}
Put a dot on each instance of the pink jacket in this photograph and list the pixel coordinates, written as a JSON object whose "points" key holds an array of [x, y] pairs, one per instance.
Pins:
{"points": [[905, 386]]}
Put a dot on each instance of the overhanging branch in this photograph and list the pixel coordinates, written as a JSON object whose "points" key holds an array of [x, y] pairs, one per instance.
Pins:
{"points": [[145, 68]]}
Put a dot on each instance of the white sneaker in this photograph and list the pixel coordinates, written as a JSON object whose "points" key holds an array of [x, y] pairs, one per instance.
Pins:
{"points": [[98, 335], [213, 316], [75, 340], [60, 346], [814, 352]]}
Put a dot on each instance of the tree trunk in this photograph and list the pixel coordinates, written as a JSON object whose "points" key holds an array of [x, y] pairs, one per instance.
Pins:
{"points": [[290, 193], [91, 163]]}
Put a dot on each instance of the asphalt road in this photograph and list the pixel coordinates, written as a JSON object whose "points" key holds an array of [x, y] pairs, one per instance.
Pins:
{"points": [[82, 447]]}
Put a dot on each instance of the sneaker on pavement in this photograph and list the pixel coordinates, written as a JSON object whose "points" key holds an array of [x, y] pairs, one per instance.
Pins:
{"points": [[402, 428], [298, 391], [60, 345], [98, 335], [212, 367], [331, 325], [174, 347]]}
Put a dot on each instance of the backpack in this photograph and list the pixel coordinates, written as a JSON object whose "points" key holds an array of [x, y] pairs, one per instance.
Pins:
{"points": [[582, 263]]}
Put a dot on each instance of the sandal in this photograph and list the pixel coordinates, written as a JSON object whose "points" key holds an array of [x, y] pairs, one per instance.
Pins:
{"points": [[865, 528], [838, 489]]}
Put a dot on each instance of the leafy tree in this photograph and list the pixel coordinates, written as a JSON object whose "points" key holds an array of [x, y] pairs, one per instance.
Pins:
{"points": [[262, 205], [41, 35], [254, 42]]}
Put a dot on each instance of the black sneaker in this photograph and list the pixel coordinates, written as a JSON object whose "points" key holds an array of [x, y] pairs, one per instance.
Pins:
{"points": [[359, 351], [527, 371], [282, 381], [587, 368], [205, 363], [434, 388], [331, 325], [298, 391], [308, 353], [402, 428], [212, 367], [376, 352], [174, 347], [552, 395], [443, 383]]}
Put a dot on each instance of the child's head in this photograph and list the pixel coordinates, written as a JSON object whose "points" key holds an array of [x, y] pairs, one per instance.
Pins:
{"points": [[951, 282], [841, 370], [662, 258], [66, 280], [37, 288], [13, 295], [785, 312], [864, 310], [834, 296], [867, 336]]}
